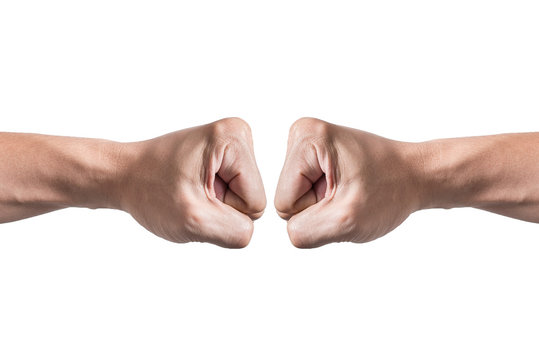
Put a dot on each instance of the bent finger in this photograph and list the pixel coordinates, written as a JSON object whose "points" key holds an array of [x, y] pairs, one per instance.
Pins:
{"points": [[220, 224], [245, 190], [323, 223]]}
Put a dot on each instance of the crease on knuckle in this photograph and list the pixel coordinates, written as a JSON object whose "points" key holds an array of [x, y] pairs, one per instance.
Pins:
{"points": [[284, 210]]}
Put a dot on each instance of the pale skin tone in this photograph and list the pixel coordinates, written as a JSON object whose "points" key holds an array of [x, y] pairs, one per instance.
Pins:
{"points": [[342, 184], [198, 184], [202, 184]]}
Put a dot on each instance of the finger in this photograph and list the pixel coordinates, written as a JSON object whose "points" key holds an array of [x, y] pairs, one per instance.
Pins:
{"points": [[244, 188], [304, 179], [220, 224], [295, 187], [220, 188], [315, 194], [325, 222]]}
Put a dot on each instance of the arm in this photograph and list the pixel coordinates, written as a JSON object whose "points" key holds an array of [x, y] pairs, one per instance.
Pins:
{"points": [[197, 184], [498, 173], [40, 173], [342, 184]]}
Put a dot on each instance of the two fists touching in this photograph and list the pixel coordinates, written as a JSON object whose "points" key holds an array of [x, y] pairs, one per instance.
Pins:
{"points": [[203, 184]]}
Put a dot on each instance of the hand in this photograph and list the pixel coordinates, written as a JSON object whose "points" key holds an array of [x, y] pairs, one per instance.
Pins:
{"points": [[341, 184], [197, 184]]}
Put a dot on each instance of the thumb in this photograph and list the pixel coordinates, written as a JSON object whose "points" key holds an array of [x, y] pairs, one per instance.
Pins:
{"points": [[218, 223], [325, 222]]}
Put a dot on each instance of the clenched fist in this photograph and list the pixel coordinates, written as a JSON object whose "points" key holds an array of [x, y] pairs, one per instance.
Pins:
{"points": [[197, 184], [202, 184], [341, 184]]}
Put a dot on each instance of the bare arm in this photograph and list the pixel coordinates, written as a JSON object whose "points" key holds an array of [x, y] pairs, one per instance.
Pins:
{"points": [[498, 173], [343, 184], [40, 173], [196, 184]]}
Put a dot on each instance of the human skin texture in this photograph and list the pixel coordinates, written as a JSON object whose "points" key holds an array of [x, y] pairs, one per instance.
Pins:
{"points": [[199, 184], [342, 184]]}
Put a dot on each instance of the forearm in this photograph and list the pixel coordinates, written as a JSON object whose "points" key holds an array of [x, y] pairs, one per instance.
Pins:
{"points": [[40, 173], [498, 173]]}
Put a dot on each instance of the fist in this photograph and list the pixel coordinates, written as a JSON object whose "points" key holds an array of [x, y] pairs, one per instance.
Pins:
{"points": [[198, 184], [341, 184]]}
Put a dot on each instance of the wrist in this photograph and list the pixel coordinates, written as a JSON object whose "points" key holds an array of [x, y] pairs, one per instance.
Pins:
{"points": [[418, 169], [429, 174], [453, 173], [114, 174], [93, 174]]}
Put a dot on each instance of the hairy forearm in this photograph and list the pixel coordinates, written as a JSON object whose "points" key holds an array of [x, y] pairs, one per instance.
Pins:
{"points": [[40, 173], [498, 173]]}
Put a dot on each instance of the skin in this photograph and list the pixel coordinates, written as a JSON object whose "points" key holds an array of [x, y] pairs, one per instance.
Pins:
{"points": [[341, 184], [202, 184], [198, 184]]}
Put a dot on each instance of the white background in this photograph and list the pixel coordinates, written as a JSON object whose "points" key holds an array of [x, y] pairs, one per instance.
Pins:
{"points": [[82, 284]]}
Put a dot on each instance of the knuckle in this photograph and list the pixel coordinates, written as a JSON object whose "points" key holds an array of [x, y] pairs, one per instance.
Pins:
{"points": [[197, 227], [284, 210], [309, 125], [242, 237], [259, 205], [257, 210], [231, 126], [297, 235], [286, 215]]}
